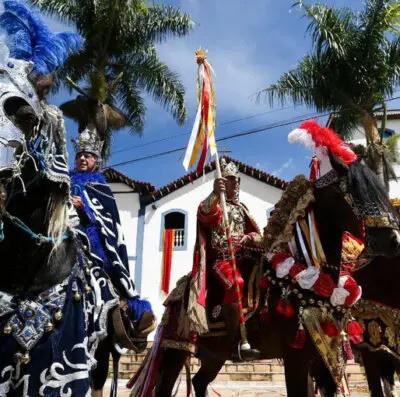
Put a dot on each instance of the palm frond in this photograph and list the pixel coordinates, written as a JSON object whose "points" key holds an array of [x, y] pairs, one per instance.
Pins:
{"points": [[119, 41], [393, 17], [115, 118], [392, 144], [77, 109], [346, 122], [156, 24], [329, 28], [131, 105], [65, 10], [153, 76]]}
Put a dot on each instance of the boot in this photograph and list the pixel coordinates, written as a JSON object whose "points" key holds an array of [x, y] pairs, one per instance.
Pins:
{"points": [[231, 316]]}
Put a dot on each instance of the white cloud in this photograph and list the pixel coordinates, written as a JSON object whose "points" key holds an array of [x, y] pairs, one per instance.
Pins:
{"points": [[240, 40], [288, 165], [237, 78]]}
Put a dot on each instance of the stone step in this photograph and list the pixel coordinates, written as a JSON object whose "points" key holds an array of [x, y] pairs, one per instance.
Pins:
{"points": [[263, 370]]}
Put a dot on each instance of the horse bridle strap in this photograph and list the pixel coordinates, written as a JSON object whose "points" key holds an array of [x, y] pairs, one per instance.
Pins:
{"points": [[38, 237]]}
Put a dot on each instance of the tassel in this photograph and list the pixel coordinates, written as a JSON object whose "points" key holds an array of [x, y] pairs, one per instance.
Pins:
{"points": [[289, 310], [285, 309], [300, 339], [347, 350], [314, 168]]}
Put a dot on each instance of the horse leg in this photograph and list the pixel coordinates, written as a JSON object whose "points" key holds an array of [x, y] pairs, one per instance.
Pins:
{"points": [[387, 373], [373, 373], [99, 374], [296, 373], [206, 374], [326, 384], [172, 364]]}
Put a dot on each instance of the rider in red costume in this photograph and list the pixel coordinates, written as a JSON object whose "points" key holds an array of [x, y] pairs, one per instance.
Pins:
{"points": [[245, 234]]}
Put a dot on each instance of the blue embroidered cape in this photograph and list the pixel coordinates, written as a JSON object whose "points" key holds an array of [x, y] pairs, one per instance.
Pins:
{"points": [[101, 222]]}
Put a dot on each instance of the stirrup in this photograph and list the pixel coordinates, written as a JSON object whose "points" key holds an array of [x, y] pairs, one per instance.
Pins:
{"points": [[245, 348]]}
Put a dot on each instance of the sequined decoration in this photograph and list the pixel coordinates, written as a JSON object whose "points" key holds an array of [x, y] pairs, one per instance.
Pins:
{"points": [[374, 333]]}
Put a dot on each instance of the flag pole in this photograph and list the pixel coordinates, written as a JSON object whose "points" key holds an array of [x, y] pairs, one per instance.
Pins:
{"points": [[242, 324], [203, 134]]}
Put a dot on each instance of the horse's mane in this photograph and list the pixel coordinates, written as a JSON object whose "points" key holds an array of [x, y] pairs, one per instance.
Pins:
{"points": [[368, 192], [59, 199], [294, 201], [58, 218]]}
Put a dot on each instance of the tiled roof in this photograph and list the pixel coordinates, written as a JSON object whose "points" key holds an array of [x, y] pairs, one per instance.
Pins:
{"points": [[116, 176], [392, 114], [244, 168]]}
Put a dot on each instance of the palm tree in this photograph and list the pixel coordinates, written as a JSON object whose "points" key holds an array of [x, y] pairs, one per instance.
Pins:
{"points": [[119, 62], [353, 66]]}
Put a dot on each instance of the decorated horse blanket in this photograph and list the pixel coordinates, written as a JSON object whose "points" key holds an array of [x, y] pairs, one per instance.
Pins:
{"points": [[48, 341], [176, 330]]}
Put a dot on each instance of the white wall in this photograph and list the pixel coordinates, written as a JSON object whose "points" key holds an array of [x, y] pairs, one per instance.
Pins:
{"points": [[128, 206], [256, 195]]}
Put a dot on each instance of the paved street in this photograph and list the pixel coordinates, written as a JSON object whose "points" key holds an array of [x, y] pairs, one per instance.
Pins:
{"points": [[244, 389]]}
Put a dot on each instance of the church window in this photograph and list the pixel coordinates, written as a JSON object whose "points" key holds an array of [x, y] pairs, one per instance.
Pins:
{"points": [[176, 220]]}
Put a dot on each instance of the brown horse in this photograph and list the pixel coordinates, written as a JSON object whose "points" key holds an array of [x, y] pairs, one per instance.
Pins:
{"points": [[336, 210]]}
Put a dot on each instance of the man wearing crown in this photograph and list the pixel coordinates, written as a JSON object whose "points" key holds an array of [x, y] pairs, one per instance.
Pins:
{"points": [[99, 219], [212, 256]]}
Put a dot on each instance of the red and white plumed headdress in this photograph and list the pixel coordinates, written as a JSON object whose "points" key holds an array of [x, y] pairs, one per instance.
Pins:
{"points": [[320, 139]]}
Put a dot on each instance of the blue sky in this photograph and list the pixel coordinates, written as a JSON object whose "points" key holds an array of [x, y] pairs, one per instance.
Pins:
{"points": [[250, 45]]}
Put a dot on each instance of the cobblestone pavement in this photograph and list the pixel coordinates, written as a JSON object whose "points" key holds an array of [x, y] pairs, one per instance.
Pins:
{"points": [[243, 389]]}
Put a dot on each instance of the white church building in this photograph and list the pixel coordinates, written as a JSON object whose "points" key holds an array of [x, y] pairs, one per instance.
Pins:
{"points": [[146, 212]]}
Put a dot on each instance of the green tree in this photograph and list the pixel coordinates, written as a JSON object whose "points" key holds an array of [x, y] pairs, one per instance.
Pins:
{"points": [[353, 66], [119, 62]]}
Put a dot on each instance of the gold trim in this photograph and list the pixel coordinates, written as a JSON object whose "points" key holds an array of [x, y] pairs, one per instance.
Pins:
{"points": [[296, 198], [214, 334], [250, 292], [210, 203], [172, 344], [379, 222], [219, 324]]}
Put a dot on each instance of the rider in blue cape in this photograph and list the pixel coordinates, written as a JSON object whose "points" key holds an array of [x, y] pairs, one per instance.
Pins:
{"points": [[99, 219]]}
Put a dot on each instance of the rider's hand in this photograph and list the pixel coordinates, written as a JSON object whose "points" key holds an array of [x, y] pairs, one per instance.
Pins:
{"points": [[77, 202], [219, 186], [246, 240]]}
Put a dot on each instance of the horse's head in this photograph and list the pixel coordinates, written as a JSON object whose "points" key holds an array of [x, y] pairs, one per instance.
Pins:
{"points": [[20, 113], [348, 194], [33, 157], [369, 201]]}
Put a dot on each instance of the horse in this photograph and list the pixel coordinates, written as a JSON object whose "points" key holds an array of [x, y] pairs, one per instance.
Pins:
{"points": [[377, 275], [55, 299], [335, 214]]}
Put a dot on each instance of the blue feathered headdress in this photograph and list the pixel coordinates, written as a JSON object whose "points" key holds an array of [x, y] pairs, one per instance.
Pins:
{"points": [[29, 38]]}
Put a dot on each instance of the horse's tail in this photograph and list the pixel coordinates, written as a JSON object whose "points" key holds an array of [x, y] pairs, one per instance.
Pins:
{"points": [[144, 381]]}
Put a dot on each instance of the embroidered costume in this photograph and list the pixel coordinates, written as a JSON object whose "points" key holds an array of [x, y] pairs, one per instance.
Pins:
{"points": [[99, 219], [212, 258], [101, 223]]}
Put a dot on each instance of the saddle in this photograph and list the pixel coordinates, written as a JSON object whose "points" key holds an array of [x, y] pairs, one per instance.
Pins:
{"points": [[129, 334]]}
